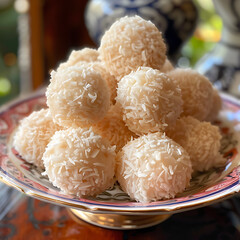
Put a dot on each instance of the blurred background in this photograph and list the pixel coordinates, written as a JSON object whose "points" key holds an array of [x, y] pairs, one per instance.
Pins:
{"points": [[35, 35]]}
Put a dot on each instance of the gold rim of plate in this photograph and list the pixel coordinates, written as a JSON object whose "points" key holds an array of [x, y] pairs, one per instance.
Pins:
{"points": [[152, 210]]}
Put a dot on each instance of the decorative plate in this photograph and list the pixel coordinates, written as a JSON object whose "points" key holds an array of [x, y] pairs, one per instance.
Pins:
{"points": [[205, 188]]}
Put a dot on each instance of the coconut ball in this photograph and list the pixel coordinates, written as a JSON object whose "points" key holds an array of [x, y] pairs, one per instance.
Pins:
{"points": [[215, 108], [98, 67], [33, 135], [197, 92], [129, 43], [80, 162], [110, 79], [113, 128], [149, 99], [201, 140], [153, 167], [167, 66], [83, 55], [77, 96]]}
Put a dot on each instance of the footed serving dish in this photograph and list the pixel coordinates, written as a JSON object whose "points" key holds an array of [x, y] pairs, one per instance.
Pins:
{"points": [[113, 208]]}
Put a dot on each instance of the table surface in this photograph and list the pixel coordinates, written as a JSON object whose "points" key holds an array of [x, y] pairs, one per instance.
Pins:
{"points": [[26, 218]]}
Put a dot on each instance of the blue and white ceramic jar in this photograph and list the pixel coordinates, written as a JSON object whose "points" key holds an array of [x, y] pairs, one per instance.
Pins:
{"points": [[175, 18]]}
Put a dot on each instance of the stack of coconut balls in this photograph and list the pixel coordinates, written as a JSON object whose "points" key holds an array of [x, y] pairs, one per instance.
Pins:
{"points": [[123, 113]]}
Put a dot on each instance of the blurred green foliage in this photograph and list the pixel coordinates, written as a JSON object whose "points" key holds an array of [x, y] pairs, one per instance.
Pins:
{"points": [[9, 72], [207, 33]]}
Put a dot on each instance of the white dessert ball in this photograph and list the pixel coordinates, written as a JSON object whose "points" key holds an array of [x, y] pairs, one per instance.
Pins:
{"points": [[153, 167], [110, 79], [113, 128], [149, 99], [201, 140], [77, 96], [215, 108], [197, 92], [33, 134], [99, 68], [80, 162], [129, 43], [83, 55]]}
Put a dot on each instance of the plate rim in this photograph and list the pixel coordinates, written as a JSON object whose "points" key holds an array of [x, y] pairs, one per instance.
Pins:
{"points": [[107, 208], [91, 207]]}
